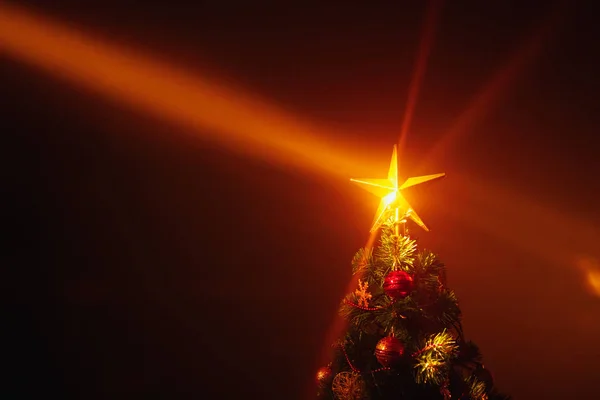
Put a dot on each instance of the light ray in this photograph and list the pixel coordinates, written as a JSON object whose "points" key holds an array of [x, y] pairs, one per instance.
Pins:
{"points": [[498, 84], [202, 107], [427, 36], [524, 223]]}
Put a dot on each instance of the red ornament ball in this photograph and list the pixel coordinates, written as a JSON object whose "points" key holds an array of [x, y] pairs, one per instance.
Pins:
{"points": [[389, 350], [398, 284], [324, 375]]}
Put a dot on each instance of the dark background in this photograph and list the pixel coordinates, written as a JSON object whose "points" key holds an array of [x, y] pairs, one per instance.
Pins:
{"points": [[141, 262]]}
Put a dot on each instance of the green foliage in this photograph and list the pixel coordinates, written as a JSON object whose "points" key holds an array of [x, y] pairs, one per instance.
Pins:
{"points": [[433, 360], [429, 301], [429, 270], [477, 389], [395, 252], [469, 353], [446, 309], [427, 321], [362, 260]]}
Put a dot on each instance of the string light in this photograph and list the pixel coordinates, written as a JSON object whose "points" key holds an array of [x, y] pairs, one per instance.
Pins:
{"points": [[346, 301]]}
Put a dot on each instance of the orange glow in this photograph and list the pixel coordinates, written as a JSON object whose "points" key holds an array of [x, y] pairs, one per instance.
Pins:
{"points": [[221, 114], [338, 323], [523, 222], [591, 269], [203, 107], [594, 281], [390, 192]]}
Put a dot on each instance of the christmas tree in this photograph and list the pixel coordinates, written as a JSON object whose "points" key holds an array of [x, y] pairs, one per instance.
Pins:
{"points": [[404, 338]]}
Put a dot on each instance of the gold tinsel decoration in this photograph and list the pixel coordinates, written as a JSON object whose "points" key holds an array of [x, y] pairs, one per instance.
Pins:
{"points": [[348, 386]]}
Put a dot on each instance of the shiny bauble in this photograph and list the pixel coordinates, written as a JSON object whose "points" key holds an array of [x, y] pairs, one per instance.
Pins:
{"points": [[324, 376], [389, 351], [398, 284]]}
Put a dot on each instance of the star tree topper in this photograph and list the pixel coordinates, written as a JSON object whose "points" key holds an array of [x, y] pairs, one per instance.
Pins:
{"points": [[391, 194]]}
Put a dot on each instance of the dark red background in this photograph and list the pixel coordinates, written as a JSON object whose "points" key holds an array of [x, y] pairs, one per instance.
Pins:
{"points": [[144, 264]]}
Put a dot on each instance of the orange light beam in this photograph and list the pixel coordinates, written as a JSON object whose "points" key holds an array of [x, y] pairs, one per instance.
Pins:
{"points": [[533, 226], [221, 114], [339, 324], [229, 117], [499, 83], [427, 36]]}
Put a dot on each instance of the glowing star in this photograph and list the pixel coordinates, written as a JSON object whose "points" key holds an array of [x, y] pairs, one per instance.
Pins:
{"points": [[391, 194]]}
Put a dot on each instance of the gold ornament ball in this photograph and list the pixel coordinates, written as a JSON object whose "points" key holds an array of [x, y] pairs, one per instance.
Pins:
{"points": [[348, 386]]}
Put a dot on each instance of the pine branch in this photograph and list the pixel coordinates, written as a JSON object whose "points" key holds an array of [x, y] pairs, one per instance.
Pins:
{"points": [[361, 261], [469, 353], [477, 390], [447, 308], [433, 359], [395, 251], [427, 263], [384, 313], [439, 358]]}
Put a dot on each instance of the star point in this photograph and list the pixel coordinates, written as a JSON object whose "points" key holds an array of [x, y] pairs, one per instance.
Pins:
{"points": [[390, 193]]}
